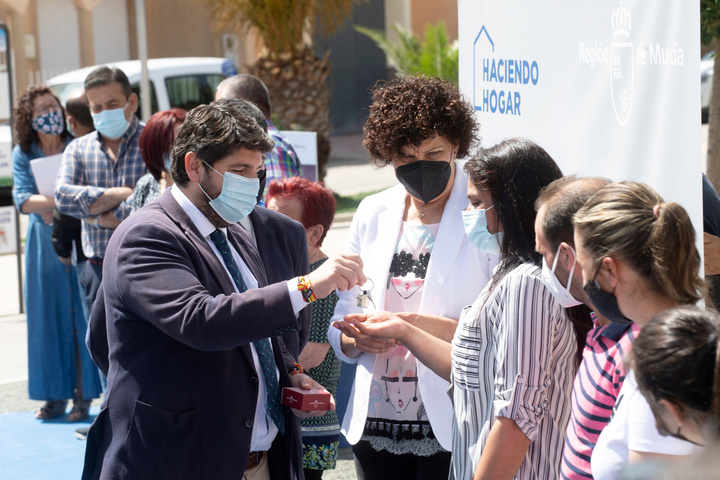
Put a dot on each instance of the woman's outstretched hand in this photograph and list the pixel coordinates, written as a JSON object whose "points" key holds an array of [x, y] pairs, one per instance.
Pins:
{"points": [[373, 332]]}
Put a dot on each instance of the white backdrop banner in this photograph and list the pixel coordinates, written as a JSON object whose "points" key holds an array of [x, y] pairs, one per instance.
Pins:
{"points": [[608, 88]]}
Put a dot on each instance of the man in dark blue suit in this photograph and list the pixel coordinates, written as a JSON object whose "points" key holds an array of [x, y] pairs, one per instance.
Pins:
{"points": [[282, 254], [188, 311]]}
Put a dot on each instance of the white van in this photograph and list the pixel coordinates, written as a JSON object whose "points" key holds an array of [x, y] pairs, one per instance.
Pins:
{"points": [[174, 82]]}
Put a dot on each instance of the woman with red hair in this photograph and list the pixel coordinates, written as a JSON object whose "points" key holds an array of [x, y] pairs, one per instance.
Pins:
{"points": [[313, 205], [156, 141]]}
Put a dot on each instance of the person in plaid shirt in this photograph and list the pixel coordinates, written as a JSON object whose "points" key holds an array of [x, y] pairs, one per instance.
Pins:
{"points": [[281, 161], [99, 170]]}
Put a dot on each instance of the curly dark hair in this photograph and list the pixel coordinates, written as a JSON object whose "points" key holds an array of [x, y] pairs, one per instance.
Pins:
{"points": [[23, 113], [409, 110]]}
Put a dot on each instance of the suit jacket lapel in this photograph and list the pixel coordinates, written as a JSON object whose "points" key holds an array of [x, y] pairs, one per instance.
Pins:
{"points": [[216, 268], [178, 215], [240, 239], [265, 236]]}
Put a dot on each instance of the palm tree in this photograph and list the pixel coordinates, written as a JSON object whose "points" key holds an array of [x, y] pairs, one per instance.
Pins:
{"points": [[434, 56], [295, 76]]}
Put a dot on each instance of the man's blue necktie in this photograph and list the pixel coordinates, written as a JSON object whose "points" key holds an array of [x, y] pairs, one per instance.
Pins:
{"points": [[264, 351]]}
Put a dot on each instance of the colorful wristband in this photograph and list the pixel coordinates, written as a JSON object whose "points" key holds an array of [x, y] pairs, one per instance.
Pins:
{"points": [[305, 288], [297, 370]]}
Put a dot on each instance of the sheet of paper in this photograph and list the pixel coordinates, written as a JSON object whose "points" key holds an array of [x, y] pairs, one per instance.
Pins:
{"points": [[45, 170], [305, 145]]}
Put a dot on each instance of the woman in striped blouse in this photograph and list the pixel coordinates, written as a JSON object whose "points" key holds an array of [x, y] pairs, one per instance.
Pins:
{"points": [[513, 358]]}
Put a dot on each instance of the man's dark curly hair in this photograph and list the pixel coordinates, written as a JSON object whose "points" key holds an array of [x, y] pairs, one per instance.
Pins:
{"points": [[409, 110], [23, 114]]}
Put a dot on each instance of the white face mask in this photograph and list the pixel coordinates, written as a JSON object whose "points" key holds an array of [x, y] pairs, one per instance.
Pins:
{"points": [[561, 294]]}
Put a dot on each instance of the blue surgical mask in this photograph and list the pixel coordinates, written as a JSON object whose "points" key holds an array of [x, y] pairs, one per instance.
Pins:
{"points": [[71, 130], [167, 161], [476, 229], [111, 124], [237, 198]]}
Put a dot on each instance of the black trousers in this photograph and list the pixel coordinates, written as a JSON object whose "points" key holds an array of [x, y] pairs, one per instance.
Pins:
{"points": [[371, 464], [313, 474], [90, 279]]}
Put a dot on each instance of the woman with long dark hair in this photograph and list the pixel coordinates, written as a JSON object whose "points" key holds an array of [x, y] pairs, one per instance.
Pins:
{"points": [[59, 366], [513, 357]]}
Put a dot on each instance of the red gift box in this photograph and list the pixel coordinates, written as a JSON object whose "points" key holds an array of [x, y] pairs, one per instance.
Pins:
{"points": [[313, 400]]}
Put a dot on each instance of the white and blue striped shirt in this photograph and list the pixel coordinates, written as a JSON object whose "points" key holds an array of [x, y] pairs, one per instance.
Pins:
{"points": [[513, 356]]}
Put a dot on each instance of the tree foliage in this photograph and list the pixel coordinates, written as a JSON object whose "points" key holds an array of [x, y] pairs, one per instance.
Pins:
{"points": [[710, 34], [434, 56], [285, 26], [709, 20]]}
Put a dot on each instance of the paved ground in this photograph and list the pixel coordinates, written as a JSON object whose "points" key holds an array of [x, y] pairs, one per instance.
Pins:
{"points": [[348, 174]]}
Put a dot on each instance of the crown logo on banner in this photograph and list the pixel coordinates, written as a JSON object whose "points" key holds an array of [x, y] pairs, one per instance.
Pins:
{"points": [[622, 64], [621, 22]]}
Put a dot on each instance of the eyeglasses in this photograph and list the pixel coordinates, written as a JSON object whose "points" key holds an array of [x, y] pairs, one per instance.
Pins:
{"points": [[45, 108]]}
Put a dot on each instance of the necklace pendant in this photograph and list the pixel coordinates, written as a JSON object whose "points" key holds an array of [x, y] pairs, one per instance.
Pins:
{"points": [[421, 214]]}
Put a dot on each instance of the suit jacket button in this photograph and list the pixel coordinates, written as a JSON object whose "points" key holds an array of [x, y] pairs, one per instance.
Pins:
{"points": [[276, 332], [293, 328], [254, 381], [249, 423]]}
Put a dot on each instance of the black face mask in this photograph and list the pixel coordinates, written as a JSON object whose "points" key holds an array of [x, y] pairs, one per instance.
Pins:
{"points": [[605, 303], [262, 176], [424, 179]]}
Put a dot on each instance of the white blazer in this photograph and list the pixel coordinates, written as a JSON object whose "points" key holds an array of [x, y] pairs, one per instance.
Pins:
{"points": [[456, 274]]}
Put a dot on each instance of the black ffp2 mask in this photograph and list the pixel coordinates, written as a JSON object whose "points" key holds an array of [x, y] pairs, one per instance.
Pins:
{"points": [[424, 179], [262, 177], [605, 303]]}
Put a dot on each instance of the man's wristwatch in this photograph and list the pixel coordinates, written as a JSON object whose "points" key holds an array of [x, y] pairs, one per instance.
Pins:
{"points": [[94, 221], [305, 288]]}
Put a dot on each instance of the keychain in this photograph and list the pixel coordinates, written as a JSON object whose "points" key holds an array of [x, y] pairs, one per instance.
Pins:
{"points": [[364, 299]]}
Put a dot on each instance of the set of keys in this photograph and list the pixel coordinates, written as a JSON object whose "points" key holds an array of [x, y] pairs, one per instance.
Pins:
{"points": [[364, 299]]}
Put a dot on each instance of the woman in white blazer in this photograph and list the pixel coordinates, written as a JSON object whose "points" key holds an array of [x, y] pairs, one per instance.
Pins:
{"points": [[418, 259]]}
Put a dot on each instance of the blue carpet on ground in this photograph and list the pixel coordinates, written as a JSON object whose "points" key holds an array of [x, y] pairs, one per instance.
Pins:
{"points": [[31, 449]]}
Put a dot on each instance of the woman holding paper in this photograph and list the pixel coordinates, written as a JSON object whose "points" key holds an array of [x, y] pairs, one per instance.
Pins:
{"points": [[59, 366]]}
